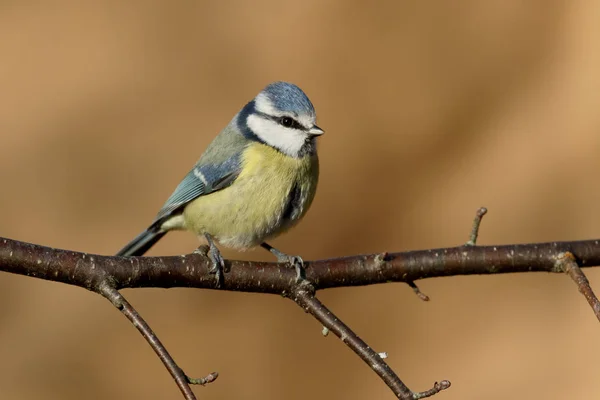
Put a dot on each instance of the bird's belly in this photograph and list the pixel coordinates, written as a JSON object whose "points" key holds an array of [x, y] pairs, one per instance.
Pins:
{"points": [[257, 206]]}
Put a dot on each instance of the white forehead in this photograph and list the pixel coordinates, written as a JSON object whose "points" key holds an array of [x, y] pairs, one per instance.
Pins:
{"points": [[264, 105]]}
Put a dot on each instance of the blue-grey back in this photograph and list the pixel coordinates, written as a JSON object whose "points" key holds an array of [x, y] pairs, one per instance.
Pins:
{"points": [[216, 169]]}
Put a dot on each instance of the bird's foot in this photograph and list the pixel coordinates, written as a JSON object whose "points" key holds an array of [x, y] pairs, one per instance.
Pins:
{"points": [[298, 264], [295, 262], [218, 264], [216, 259]]}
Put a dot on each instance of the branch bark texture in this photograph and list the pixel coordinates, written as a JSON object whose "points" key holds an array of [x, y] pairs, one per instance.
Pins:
{"points": [[88, 271]]}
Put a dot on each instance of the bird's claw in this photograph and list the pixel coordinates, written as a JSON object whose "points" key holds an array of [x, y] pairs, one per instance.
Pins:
{"points": [[295, 262], [218, 264]]}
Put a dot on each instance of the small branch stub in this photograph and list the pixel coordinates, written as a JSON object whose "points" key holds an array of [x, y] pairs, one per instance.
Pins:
{"points": [[417, 291], [437, 387], [476, 223], [203, 381]]}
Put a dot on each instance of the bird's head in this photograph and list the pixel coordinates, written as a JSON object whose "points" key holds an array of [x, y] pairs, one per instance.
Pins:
{"points": [[283, 117]]}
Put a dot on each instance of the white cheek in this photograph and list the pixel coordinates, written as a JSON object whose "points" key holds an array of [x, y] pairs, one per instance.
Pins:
{"points": [[289, 141]]}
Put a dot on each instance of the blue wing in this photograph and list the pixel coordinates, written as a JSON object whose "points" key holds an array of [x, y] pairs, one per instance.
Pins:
{"points": [[201, 180]]}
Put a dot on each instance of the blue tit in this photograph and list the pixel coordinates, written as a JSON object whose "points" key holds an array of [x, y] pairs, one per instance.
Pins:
{"points": [[255, 180]]}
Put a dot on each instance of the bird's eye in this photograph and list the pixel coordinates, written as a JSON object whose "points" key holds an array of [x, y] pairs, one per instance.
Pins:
{"points": [[287, 122]]}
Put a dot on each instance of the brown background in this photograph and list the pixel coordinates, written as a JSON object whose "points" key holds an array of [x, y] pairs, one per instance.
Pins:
{"points": [[432, 109]]}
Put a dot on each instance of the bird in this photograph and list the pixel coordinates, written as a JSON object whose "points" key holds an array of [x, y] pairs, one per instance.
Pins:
{"points": [[255, 180]]}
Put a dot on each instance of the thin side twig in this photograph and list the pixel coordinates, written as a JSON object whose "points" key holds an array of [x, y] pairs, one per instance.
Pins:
{"points": [[437, 387], [380, 262], [181, 379], [566, 262], [476, 223], [304, 296], [417, 291]]}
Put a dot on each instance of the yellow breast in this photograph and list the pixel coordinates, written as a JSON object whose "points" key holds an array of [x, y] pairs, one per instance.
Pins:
{"points": [[271, 194]]}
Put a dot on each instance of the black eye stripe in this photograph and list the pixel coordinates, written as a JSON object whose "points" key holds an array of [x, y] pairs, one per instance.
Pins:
{"points": [[292, 123]]}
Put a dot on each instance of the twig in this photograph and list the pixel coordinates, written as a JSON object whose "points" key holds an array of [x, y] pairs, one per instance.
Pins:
{"points": [[181, 379], [303, 295], [476, 223], [210, 378], [566, 262], [437, 387], [417, 291], [380, 262]]}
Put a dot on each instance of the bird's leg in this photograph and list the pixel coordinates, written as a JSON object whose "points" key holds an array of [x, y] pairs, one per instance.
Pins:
{"points": [[218, 264], [294, 261]]}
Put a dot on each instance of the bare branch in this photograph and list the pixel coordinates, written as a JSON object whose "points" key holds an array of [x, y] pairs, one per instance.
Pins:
{"points": [[566, 262], [181, 379], [107, 274], [304, 296], [86, 270]]}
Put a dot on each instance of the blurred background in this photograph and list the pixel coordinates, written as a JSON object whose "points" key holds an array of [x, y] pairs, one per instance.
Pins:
{"points": [[431, 109]]}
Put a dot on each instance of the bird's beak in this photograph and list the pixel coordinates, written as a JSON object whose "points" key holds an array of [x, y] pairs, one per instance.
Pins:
{"points": [[315, 131]]}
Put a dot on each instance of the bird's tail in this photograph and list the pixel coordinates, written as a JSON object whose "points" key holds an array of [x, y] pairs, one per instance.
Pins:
{"points": [[141, 243]]}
